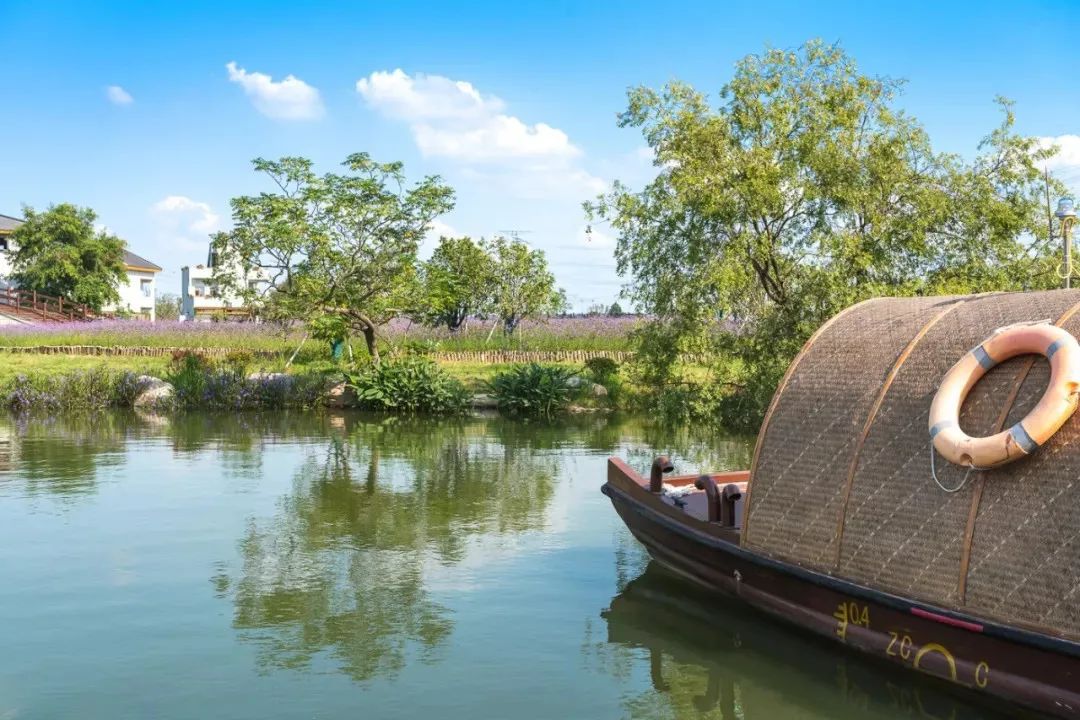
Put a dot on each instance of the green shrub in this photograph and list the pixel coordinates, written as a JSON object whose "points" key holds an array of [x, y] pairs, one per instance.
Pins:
{"points": [[82, 390], [408, 384], [423, 348], [533, 389], [188, 374], [601, 369], [239, 360], [225, 388]]}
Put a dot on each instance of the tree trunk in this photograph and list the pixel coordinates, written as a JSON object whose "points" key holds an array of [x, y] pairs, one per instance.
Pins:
{"points": [[510, 324], [372, 345]]}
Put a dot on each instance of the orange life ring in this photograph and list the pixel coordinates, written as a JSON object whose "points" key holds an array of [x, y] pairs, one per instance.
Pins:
{"points": [[1056, 406]]}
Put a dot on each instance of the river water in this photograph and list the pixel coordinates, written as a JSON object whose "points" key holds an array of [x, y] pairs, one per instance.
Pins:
{"points": [[326, 566]]}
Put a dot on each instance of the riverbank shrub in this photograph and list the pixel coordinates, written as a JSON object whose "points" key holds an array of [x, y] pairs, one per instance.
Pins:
{"points": [[409, 384], [200, 384], [534, 389], [212, 389], [94, 388], [605, 371]]}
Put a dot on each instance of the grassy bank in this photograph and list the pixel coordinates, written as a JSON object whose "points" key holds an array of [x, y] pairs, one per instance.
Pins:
{"points": [[238, 366], [12, 366], [238, 382], [475, 376]]}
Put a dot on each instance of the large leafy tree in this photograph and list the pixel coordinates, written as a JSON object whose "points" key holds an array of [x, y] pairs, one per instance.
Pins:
{"points": [[804, 190], [59, 252], [333, 246], [458, 281], [524, 286]]}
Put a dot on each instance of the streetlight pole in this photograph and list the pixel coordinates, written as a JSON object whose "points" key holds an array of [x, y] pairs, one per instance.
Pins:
{"points": [[1066, 214]]}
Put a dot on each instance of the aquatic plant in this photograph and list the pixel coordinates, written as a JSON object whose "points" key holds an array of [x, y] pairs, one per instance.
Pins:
{"points": [[534, 389], [412, 383]]}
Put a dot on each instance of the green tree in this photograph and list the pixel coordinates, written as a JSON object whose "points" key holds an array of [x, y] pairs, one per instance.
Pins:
{"points": [[167, 307], [457, 282], [803, 191], [58, 252], [524, 287], [332, 245], [615, 310]]}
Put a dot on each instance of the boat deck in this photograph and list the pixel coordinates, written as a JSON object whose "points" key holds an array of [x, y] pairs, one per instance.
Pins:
{"points": [[690, 493]]}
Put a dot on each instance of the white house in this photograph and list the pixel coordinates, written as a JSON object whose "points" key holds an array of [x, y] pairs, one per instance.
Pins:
{"points": [[203, 299], [136, 295], [7, 226]]}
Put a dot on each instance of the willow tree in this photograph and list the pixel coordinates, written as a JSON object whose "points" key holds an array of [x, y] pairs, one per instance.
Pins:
{"points": [[803, 190], [337, 247]]}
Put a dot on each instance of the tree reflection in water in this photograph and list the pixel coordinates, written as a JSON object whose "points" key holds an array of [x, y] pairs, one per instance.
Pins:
{"points": [[708, 657], [340, 569], [61, 456]]}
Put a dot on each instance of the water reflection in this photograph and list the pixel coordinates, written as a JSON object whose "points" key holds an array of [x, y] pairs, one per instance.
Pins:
{"points": [[445, 566], [711, 658], [340, 569], [61, 456], [65, 454]]}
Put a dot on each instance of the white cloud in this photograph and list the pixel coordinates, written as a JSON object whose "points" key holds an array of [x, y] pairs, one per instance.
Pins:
{"points": [[118, 95], [185, 223], [452, 119], [288, 99], [496, 138], [426, 97], [437, 229], [1065, 165]]}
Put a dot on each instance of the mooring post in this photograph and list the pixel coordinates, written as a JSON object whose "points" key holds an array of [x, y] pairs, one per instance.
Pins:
{"points": [[712, 497], [721, 501], [660, 466]]}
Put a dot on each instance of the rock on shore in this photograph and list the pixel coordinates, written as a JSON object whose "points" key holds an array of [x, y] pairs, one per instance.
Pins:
{"points": [[152, 391]]}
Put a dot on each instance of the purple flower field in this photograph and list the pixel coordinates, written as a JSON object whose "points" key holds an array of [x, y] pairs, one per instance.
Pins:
{"points": [[157, 334], [562, 333], [595, 332]]}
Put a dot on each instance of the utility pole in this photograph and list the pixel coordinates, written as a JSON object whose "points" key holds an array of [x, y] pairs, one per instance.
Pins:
{"points": [[1066, 214]]}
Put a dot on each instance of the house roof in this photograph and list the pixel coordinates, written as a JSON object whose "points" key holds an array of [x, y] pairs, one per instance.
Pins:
{"points": [[8, 223], [135, 261]]}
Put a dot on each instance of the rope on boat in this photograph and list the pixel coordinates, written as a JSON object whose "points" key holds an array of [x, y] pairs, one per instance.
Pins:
{"points": [[933, 473]]}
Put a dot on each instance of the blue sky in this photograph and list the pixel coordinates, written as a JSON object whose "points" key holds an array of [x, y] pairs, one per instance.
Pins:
{"points": [[513, 104]]}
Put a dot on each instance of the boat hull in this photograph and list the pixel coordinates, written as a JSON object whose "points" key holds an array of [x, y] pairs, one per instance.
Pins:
{"points": [[1031, 670]]}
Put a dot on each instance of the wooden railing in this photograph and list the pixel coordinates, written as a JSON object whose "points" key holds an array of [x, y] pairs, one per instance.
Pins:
{"points": [[30, 304]]}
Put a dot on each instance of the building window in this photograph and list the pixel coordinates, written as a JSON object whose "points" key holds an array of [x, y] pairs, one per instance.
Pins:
{"points": [[3, 244], [147, 287]]}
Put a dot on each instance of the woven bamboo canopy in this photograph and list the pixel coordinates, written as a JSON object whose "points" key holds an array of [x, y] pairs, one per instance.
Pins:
{"points": [[841, 478]]}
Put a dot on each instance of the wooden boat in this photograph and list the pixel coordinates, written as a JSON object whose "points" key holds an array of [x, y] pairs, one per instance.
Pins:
{"points": [[842, 527], [708, 653]]}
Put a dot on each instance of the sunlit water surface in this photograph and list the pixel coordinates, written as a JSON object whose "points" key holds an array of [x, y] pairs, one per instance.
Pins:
{"points": [[321, 566]]}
